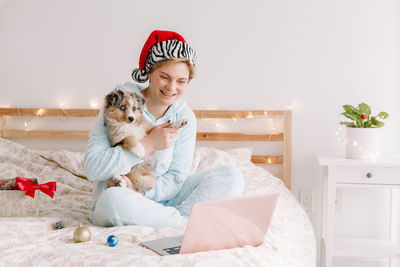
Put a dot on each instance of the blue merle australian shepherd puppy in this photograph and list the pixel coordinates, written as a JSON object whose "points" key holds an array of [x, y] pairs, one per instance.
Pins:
{"points": [[125, 126]]}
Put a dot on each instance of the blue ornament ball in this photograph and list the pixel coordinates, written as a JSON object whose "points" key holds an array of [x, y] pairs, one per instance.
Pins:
{"points": [[112, 240]]}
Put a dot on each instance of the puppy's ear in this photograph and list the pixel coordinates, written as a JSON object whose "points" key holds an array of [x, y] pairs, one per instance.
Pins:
{"points": [[112, 98]]}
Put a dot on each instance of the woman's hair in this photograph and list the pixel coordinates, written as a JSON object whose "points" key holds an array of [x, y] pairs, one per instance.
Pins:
{"points": [[175, 60]]}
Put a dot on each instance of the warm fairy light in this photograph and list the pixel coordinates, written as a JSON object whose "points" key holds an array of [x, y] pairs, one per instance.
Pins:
{"points": [[339, 133], [265, 112], [233, 117], [26, 123], [39, 112], [61, 105], [355, 143], [372, 157], [269, 160], [93, 105], [217, 124]]}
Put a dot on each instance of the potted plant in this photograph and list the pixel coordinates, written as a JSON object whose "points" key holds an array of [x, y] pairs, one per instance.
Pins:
{"points": [[362, 132]]}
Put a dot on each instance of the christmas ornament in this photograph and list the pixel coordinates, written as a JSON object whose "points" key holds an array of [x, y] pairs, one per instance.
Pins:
{"points": [[363, 116], [112, 240], [82, 234]]}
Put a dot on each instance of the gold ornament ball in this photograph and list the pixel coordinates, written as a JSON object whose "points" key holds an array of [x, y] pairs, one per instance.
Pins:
{"points": [[82, 234]]}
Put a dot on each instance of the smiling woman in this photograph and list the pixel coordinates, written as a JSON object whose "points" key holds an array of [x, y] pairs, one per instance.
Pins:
{"points": [[167, 61]]}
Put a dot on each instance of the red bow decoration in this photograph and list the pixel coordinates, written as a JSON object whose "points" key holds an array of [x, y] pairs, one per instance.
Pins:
{"points": [[29, 186]]}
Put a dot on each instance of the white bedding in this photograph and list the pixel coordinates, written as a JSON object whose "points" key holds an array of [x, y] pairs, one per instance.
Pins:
{"points": [[289, 242]]}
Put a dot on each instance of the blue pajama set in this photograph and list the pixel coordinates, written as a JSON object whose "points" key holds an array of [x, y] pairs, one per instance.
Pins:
{"points": [[170, 202]]}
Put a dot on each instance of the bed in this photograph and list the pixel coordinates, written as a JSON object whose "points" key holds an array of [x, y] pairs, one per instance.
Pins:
{"points": [[290, 240]]}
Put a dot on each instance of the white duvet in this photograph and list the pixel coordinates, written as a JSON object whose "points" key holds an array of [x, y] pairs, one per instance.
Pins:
{"points": [[31, 241]]}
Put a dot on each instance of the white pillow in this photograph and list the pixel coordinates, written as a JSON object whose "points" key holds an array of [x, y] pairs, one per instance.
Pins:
{"points": [[209, 157]]}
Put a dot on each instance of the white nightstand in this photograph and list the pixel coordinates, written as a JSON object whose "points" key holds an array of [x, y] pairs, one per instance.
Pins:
{"points": [[339, 171]]}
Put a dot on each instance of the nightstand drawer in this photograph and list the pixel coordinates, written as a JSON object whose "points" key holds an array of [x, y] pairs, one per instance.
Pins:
{"points": [[373, 175]]}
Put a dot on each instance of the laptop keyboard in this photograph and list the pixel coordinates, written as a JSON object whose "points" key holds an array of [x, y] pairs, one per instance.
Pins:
{"points": [[173, 250]]}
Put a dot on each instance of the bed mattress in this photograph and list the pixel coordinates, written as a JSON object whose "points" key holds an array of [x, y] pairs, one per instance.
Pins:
{"points": [[290, 241]]}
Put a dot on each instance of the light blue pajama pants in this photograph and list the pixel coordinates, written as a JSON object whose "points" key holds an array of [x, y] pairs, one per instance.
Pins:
{"points": [[118, 206]]}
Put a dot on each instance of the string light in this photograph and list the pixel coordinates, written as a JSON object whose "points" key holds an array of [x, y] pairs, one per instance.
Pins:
{"points": [[93, 105], [39, 112], [233, 117], [218, 124], [249, 115]]}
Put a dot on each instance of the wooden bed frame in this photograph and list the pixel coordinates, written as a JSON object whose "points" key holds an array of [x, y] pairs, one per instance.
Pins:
{"points": [[284, 136]]}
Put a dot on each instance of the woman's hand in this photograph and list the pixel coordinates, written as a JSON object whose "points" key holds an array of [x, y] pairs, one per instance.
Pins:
{"points": [[160, 137]]}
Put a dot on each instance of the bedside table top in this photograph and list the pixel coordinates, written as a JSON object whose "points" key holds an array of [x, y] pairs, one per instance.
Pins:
{"points": [[341, 160]]}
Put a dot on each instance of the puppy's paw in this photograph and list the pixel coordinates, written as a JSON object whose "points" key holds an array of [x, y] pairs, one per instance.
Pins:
{"points": [[179, 123], [129, 142], [119, 181], [138, 150]]}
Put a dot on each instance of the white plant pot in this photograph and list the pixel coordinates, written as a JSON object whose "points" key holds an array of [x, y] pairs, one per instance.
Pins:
{"points": [[363, 143]]}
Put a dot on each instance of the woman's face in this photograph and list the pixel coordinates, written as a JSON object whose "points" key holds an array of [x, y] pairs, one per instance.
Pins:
{"points": [[168, 83]]}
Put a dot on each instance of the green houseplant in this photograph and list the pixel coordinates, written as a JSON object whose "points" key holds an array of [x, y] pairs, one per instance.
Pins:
{"points": [[363, 131], [361, 117]]}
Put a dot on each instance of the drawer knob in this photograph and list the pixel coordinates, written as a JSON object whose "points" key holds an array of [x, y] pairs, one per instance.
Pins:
{"points": [[369, 175]]}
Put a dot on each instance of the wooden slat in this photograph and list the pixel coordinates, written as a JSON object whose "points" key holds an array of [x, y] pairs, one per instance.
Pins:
{"points": [[258, 159], [212, 136], [237, 114], [49, 112], [2, 121], [200, 114], [287, 149], [11, 133]]}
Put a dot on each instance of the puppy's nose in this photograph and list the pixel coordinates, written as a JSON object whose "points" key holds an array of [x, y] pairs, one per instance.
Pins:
{"points": [[131, 118]]}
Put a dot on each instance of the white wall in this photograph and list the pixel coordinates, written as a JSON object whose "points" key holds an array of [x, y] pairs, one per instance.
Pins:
{"points": [[315, 55]]}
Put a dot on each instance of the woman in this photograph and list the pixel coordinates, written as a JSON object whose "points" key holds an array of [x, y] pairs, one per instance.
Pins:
{"points": [[167, 61]]}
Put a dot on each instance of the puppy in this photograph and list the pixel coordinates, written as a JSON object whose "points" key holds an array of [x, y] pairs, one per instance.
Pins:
{"points": [[123, 112]]}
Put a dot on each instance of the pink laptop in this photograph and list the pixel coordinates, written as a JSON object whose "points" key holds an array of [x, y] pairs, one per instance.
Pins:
{"points": [[221, 224]]}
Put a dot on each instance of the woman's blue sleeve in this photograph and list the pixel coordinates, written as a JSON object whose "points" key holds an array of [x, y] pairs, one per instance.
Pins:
{"points": [[169, 184], [102, 161]]}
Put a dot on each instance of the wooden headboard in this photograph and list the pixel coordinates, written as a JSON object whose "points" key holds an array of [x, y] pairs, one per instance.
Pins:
{"points": [[283, 136]]}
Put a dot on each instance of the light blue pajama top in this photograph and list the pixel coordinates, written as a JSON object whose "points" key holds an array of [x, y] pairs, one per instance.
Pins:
{"points": [[173, 164]]}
